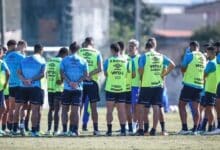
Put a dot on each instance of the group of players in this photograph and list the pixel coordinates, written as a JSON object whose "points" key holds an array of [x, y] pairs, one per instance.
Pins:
{"points": [[134, 83]]}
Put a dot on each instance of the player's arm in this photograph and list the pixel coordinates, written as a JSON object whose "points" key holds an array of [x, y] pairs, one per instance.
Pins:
{"points": [[40, 75], [105, 67], [186, 60], [133, 69], [99, 69], [169, 64], [7, 74], [210, 67]]}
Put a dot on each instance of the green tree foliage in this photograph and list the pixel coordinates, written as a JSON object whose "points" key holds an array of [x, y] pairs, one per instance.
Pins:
{"points": [[122, 25], [206, 34]]}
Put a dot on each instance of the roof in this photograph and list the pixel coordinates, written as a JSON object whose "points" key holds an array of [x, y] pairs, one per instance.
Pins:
{"points": [[203, 5], [174, 33]]}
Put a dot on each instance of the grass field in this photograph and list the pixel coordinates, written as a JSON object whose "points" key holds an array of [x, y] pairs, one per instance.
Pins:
{"points": [[129, 142]]}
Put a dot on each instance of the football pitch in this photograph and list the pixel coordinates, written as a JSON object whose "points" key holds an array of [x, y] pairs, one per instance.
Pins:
{"points": [[87, 141]]}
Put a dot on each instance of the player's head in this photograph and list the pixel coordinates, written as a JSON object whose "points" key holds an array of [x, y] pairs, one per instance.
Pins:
{"points": [[217, 47], [210, 52], [133, 46], [1, 52], [63, 52], [38, 49], [194, 45], [122, 46], [21, 46], [74, 47], [11, 44], [89, 41], [149, 45], [153, 41], [115, 49]]}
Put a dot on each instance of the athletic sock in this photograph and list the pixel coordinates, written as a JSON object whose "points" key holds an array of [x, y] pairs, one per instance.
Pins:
{"points": [[162, 124], [3, 127], [204, 123], [38, 128], [84, 126], [56, 127], [130, 127], [184, 127], [109, 126], [210, 128], [33, 129], [146, 127], [49, 125], [95, 127], [15, 127], [195, 127], [75, 129], [218, 123], [123, 130], [9, 126], [64, 128], [71, 128], [26, 124]]}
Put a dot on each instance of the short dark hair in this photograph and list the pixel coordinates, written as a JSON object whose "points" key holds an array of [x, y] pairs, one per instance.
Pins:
{"points": [[217, 44], [74, 47], [115, 47], [22, 42], [38, 48], [149, 44], [11, 43], [194, 43], [63, 51], [121, 45], [88, 40], [210, 48]]}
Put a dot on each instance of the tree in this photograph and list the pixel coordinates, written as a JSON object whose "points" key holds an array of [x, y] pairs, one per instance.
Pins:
{"points": [[207, 34], [122, 25]]}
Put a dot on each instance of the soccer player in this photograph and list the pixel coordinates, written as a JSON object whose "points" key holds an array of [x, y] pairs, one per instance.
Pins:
{"points": [[31, 71], [55, 89], [115, 69], [74, 70], [153, 67], [90, 85], [210, 87], [13, 59], [217, 107], [4, 76], [192, 67], [130, 103]]}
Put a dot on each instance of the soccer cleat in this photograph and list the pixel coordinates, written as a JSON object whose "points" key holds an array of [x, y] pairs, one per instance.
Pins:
{"points": [[139, 132], [108, 133], [97, 133], [214, 132], [130, 133], [194, 133], [48, 133], [184, 132], [2, 133], [64, 134], [134, 126], [73, 134], [56, 133], [22, 132], [122, 134]]}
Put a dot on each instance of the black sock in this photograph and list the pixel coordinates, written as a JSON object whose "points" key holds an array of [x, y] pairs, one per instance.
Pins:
{"points": [[38, 127], [64, 128], [9, 126], [3, 127], [22, 121], [152, 131], [218, 123], [210, 128], [195, 127], [130, 127], [49, 125], [204, 123], [84, 126], [109, 127], [26, 125], [33, 129], [184, 127], [55, 127], [71, 128], [15, 127], [75, 128], [146, 127], [162, 124], [123, 130], [95, 127]]}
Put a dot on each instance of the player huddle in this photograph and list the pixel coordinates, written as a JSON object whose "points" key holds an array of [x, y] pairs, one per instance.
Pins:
{"points": [[133, 84]]}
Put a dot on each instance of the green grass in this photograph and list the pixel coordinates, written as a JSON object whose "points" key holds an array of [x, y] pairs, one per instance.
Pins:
{"points": [[115, 142]]}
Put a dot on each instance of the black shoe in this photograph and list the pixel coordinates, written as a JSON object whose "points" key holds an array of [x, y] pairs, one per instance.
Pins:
{"points": [[108, 133], [152, 132], [122, 134], [140, 132]]}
